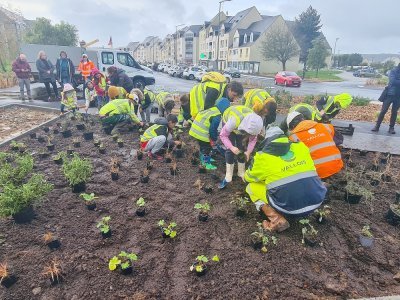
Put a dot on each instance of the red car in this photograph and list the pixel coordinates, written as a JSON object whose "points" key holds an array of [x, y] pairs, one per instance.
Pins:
{"points": [[287, 78]]}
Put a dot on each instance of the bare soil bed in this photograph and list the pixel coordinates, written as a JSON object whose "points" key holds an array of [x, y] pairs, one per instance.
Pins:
{"points": [[15, 120], [339, 267]]}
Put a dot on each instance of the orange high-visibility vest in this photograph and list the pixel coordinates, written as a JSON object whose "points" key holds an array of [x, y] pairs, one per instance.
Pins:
{"points": [[318, 138]]}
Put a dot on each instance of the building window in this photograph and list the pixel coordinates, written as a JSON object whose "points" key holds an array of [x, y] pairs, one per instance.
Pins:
{"points": [[247, 52], [251, 37], [241, 52], [245, 39]]}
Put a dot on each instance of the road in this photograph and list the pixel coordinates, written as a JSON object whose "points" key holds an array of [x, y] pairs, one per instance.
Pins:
{"points": [[352, 85]]}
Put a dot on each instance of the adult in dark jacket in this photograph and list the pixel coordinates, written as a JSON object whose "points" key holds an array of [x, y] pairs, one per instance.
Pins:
{"points": [[393, 98], [46, 74], [65, 69], [118, 77], [22, 70]]}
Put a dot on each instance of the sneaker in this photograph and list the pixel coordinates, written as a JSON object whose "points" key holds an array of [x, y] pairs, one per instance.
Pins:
{"points": [[375, 129], [155, 156], [210, 166], [223, 184], [391, 130]]}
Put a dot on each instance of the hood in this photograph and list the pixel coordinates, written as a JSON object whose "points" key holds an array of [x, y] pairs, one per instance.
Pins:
{"points": [[252, 124], [304, 125], [276, 142], [223, 104], [68, 87]]}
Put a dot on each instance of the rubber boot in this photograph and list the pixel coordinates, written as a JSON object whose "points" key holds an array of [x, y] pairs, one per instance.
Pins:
{"points": [[241, 170], [228, 176], [276, 221]]}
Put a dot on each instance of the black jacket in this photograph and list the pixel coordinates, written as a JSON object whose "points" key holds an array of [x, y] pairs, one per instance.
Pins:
{"points": [[394, 82], [121, 79], [43, 66]]}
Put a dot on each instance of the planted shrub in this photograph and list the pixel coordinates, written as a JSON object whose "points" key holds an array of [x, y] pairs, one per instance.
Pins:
{"points": [[260, 238], [309, 233], [104, 226], [51, 241], [167, 231], [200, 265], [366, 237], [123, 261], [77, 171], [141, 209], [203, 211], [59, 158], [89, 200], [54, 272], [322, 213], [241, 205]]}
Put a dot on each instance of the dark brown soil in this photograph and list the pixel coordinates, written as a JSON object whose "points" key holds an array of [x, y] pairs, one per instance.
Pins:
{"points": [[337, 268]]}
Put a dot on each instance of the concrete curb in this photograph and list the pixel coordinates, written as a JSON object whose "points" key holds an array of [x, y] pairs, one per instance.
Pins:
{"points": [[26, 133]]}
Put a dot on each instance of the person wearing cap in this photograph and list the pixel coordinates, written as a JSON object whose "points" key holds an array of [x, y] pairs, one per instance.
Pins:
{"points": [[65, 69], [241, 126], [85, 67], [282, 180], [118, 77], [319, 139], [205, 130], [69, 99], [165, 102], [119, 113], [261, 102], [159, 135]]}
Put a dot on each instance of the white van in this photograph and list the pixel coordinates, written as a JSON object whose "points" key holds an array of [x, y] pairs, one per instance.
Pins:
{"points": [[101, 57]]}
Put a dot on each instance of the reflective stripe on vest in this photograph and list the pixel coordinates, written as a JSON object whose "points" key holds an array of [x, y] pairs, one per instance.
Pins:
{"points": [[328, 127], [152, 96], [327, 159], [292, 178], [321, 146], [238, 112], [328, 106], [315, 116], [161, 98], [150, 133], [201, 125], [297, 211], [198, 95]]}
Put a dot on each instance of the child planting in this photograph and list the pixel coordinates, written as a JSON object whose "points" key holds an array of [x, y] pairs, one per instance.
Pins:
{"points": [[69, 99]]}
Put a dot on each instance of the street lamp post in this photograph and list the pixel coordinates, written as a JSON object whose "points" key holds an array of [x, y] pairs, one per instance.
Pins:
{"points": [[176, 42], [219, 26], [334, 52]]}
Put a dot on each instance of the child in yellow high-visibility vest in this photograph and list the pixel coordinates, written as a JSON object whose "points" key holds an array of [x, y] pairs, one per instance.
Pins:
{"points": [[68, 98]]}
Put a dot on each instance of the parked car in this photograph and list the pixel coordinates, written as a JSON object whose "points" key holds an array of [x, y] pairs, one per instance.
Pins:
{"points": [[161, 67], [167, 68], [369, 73], [189, 73], [233, 72], [287, 78], [175, 71]]}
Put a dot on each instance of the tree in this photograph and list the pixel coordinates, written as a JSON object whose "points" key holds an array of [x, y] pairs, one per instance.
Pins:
{"points": [[307, 29], [43, 32], [279, 46], [355, 59], [317, 55]]}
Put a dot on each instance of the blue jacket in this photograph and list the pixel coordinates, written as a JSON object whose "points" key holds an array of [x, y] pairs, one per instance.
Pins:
{"points": [[222, 105], [394, 82]]}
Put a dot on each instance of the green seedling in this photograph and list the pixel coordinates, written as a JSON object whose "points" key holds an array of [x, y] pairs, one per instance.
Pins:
{"points": [[60, 155], [201, 262], [124, 260], [103, 225], [88, 197], [140, 202], [261, 236], [168, 230], [366, 231], [323, 212], [241, 202], [203, 208], [307, 229]]}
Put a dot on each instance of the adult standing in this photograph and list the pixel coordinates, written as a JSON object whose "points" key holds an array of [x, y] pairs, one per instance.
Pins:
{"points": [[22, 70], [118, 77], [65, 69], [46, 74], [393, 98], [85, 67]]}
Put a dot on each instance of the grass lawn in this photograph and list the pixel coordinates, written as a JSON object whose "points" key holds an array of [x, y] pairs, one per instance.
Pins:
{"points": [[323, 75]]}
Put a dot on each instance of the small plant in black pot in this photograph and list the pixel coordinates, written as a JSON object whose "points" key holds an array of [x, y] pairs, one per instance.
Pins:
{"points": [[260, 239], [102, 149], [115, 137], [76, 142], [354, 193], [139, 155], [141, 209], [89, 200], [123, 262], [202, 169], [16, 146], [114, 172], [77, 171], [80, 126], [200, 265], [322, 213], [309, 233], [58, 159], [43, 153], [65, 130], [366, 237], [50, 146], [168, 157], [88, 134], [96, 143], [104, 226], [144, 177], [120, 142], [149, 164], [241, 205], [46, 129], [51, 241], [167, 231], [393, 214], [56, 130], [41, 139], [179, 150], [207, 188], [32, 135], [6, 278], [54, 272], [70, 150], [203, 211]]}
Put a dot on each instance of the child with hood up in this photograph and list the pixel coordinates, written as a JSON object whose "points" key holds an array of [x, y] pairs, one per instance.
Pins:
{"points": [[69, 99]]}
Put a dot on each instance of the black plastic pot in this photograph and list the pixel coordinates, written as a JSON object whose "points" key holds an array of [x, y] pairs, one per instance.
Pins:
{"points": [[8, 281], [168, 160], [208, 189], [179, 153], [120, 144], [70, 151], [41, 139], [51, 147], [363, 152], [374, 182], [22, 149], [114, 176], [202, 169], [127, 271], [46, 129], [56, 131], [58, 161], [88, 136], [77, 144], [96, 143], [257, 245], [386, 178], [149, 165], [102, 150], [320, 220], [66, 133], [107, 130], [203, 217], [55, 280], [106, 235], [140, 155], [80, 126], [173, 171], [374, 168], [43, 155], [141, 211], [144, 179], [352, 199], [91, 205], [24, 216], [310, 241], [54, 244], [14, 148], [240, 213], [58, 124], [202, 273], [384, 161], [32, 135], [79, 188]]}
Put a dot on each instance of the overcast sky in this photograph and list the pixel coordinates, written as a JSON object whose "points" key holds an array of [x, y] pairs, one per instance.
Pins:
{"points": [[364, 26]]}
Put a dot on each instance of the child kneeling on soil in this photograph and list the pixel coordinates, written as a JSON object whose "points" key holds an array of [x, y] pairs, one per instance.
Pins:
{"points": [[90, 95], [157, 135], [68, 99]]}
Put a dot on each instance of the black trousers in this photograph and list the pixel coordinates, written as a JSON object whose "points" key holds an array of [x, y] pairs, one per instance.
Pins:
{"points": [[238, 141], [395, 102], [54, 84], [205, 148]]}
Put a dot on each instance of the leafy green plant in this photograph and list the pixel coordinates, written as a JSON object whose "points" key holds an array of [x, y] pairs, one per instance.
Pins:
{"points": [[123, 260], [323, 212], [307, 229], [201, 262], [16, 171], [140, 202], [354, 188], [77, 170], [60, 155], [168, 230], [283, 98], [203, 208], [88, 197], [16, 145], [360, 101], [104, 225], [366, 231], [262, 236], [240, 202]]}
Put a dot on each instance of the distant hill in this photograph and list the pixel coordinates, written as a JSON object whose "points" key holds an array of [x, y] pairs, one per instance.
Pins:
{"points": [[382, 57]]}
